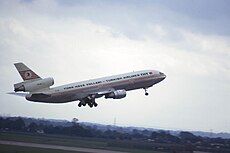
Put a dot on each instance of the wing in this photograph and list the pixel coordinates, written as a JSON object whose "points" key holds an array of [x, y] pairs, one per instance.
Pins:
{"points": [[104, 91]]}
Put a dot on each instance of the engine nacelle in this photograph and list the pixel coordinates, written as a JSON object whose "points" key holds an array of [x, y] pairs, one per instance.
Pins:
{"points": [[118, 94], [34, 85]]}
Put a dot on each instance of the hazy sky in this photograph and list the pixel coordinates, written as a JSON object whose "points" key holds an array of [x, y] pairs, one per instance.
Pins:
{"points": [[77, 40]]}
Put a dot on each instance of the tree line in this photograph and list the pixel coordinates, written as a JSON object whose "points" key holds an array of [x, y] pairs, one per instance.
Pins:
{"points": [[76, 129]]}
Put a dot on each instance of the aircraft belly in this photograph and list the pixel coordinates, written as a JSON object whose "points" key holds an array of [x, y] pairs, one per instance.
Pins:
{"points": [[54, 98]]}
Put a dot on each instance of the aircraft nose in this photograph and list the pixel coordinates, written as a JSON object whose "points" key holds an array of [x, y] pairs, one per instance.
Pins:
{"points": [[163, 76]]}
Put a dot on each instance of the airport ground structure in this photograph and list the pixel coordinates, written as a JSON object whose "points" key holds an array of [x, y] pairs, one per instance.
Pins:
{"points": [[120, 139]]}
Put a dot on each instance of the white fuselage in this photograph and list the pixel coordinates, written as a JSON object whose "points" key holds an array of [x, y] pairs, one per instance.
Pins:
{"points": [[99, 87]]}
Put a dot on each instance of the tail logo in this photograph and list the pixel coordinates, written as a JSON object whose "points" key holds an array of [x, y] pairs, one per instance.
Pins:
{"points": [[28, 75]]}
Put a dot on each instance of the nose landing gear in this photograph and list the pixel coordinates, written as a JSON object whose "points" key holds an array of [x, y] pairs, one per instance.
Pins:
{"points": [[146, 93]]}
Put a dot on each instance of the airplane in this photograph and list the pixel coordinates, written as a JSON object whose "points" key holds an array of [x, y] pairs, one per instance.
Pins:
{"points": [[37, 89]]}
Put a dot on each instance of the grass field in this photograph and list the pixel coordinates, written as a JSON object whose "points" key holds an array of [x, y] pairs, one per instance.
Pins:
{"points": [[20, 149], [59, 140], [53, 139]]}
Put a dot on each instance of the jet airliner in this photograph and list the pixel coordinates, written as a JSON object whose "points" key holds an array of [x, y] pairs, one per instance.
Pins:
{"points": [[37, 89]]}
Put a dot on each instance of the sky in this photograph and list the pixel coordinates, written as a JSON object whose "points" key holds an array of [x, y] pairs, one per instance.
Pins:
{"points": [[78, 40]]}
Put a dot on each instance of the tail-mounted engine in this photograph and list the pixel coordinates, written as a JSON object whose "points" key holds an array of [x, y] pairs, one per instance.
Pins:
{"points": [[33, 85]]}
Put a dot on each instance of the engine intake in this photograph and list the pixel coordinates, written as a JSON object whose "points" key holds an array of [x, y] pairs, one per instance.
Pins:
{"points": [[118, 94], [34, 85]]}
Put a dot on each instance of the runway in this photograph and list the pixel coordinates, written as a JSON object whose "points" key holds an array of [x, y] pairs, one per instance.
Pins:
{"points": [[47, 146]]}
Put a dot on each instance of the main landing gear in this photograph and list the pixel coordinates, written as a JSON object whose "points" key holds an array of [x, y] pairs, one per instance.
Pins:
{"points": [[90, 100], [90, 104], [79, 104], [146, 93]]}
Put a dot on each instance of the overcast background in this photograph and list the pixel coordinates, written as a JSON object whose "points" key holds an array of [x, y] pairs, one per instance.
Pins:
{"points": [[77, 40]]}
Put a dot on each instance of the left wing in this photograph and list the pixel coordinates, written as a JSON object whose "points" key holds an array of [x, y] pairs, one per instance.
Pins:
{"points": [[104, 91]]}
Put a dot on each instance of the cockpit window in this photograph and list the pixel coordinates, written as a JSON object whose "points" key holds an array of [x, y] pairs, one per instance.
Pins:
{"points": [[161, 73]]}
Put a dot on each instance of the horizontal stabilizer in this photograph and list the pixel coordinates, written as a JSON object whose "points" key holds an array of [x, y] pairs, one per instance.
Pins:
{"points": [[17, 94]]}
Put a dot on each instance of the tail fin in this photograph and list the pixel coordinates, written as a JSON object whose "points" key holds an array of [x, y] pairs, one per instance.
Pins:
{"points": [[25, 72]]}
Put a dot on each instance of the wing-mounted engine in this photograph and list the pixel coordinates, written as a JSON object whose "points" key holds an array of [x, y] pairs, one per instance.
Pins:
{"points": [[30, 86], [118, 94]]}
